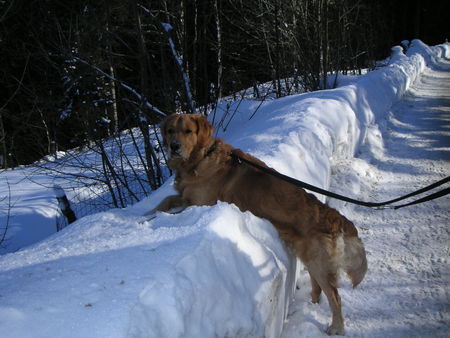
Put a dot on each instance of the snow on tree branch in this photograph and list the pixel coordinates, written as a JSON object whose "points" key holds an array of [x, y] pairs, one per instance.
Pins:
{"points": [[166, 28], [123, 85]]}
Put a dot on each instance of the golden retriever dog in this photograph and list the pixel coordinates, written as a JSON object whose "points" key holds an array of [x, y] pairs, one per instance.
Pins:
{"points": [[324, 240]]}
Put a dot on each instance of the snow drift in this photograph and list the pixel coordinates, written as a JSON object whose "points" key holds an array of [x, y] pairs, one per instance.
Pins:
{"points": [[209, 271], [207, 287]]}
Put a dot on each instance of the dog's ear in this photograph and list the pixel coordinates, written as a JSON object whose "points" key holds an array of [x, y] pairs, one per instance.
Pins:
{"points": [[163, 126], [204, 129]]}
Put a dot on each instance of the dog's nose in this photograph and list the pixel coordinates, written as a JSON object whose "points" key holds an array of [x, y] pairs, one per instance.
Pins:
{"points": [[174, 146]]}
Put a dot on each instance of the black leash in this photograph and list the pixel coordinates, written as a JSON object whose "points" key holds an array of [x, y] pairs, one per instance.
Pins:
{"points": [[378, 205]]}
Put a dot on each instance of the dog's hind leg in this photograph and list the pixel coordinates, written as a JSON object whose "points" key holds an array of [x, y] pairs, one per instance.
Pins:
{"points": [[334, 300], [328, 283], [320, 256], [316, 290]]}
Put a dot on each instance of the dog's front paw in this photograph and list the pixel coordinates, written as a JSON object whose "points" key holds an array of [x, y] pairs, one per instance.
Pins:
{"points": [[335, 330], [315, 299], [147, 219]]}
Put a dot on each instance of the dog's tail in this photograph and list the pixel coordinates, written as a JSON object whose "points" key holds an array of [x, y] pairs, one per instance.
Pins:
{"points": [[355, 261]]}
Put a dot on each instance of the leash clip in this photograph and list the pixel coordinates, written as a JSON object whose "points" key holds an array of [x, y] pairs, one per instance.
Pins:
{"points": [[236, 157], [384, 207]]}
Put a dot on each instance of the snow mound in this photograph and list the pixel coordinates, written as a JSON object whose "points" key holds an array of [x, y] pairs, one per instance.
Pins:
{"points": [[210, 271], [231, 284]]}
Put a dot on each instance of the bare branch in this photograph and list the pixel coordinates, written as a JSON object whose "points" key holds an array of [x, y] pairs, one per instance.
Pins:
{"points": [[165, 29], [123, 85]]}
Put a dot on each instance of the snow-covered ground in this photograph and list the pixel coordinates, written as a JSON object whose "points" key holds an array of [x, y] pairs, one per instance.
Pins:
{"points": [[214, 271]]}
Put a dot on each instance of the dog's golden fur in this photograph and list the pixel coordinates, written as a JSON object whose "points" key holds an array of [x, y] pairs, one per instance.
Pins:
{"points": [[323, 239]]}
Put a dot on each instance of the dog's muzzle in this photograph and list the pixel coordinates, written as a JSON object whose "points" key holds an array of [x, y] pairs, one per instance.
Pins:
{"points": [[175, 148]]}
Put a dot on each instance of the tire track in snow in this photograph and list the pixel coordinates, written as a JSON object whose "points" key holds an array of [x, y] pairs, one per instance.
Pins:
{"points": [[406, 291]]}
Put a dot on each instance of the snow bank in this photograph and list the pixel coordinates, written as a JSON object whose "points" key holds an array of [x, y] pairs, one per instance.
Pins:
{"points": [[235, 282], [300, 135], [203, 273], [209, 271]]}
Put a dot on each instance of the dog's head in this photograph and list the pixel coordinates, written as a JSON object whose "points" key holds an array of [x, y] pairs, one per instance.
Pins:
{"points": [[185, 134]]}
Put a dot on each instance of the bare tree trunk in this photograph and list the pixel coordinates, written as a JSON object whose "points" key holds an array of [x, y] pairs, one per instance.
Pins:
{"points": [[323, 24], [112, 84], [267, 43], [143, 123], [5, 226], [4, 152], [278, 47], [219, 51], [51, 146], [115, 112], [186, 83]]}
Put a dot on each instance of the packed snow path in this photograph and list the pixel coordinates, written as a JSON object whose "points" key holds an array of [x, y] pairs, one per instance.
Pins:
{"points": [[406, 292]]}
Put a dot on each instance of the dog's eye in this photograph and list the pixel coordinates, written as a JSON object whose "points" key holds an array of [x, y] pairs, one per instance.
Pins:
{"points": [[170, 131], [188, 131]]}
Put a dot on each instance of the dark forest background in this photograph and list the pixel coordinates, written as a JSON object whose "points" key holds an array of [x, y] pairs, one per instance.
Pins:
{"points": [[76, 71]]}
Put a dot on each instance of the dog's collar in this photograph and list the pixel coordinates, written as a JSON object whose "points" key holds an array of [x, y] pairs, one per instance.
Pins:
{"points": [[211, 149]]}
